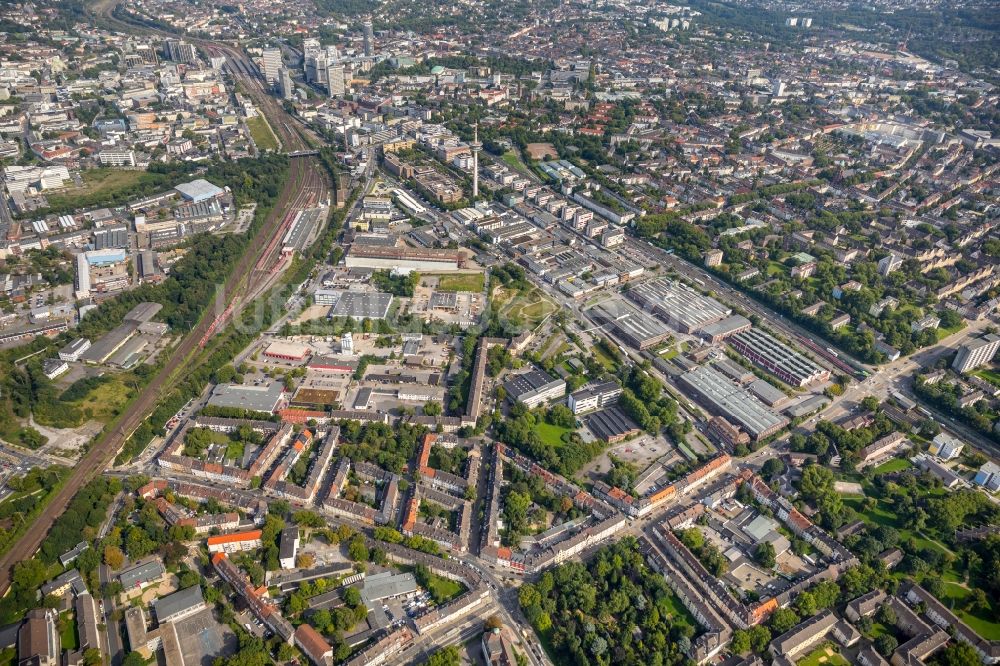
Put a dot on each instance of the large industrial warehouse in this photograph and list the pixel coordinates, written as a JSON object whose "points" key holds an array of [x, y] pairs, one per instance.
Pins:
{"points": [[362, 305], [679, 306], [778, 358], [629, 323], [723, 397], [402, 258]]}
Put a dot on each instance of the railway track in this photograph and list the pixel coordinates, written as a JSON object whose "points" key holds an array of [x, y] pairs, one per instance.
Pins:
{"points": [[241, 286]]}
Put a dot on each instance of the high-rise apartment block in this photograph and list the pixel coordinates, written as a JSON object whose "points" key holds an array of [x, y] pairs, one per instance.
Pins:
{"points": [[976, 353]]}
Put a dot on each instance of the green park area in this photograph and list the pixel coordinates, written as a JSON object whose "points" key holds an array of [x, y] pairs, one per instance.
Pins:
{"points": [[984, 621], [471, 282], [882, 514], [528, 308], [262, 134]]}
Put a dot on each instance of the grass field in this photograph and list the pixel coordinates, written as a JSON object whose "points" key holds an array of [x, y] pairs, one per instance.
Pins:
{"points": [[680, 614], [100, 184], [776, 268], [472, 282], [99, 181], [992, 376], [262, 134], [604, 359], [106, 401], [894, 465], [986, 624], [943, 333], [511, 159], [551, 434], [444, 589], [68, 634], [825, 655]]}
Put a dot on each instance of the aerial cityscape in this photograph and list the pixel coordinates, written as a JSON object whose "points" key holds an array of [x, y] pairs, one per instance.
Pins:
{"points": [[499, 333]]}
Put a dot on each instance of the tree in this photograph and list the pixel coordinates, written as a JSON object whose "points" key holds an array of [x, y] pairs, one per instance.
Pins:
{"points": [[305, 560], [114, 557], [493, 622], [772, 467], [357, 551], [978, 601], [432, 408], [598, 646], [92, 657], [816, 481], [528, 596], [958, 653], [543, 622], [782, 620], [562, 416], [447, 656], [740, 643], [760, 636], [870, 403], [134, 659], [764, 554], [886, 644], [352, 597]]}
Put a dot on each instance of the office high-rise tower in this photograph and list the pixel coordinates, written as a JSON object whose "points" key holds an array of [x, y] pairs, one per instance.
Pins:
{"points": [[369, 38], [285, 84], [337, 77], [271, 62]]}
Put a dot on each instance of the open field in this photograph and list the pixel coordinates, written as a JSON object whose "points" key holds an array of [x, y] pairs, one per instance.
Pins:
{"points": [[551, 434], [471, 282], [105, 185], [825, 655], [943, 332], [106, 401], [513, 160], [262, 134], [891, 466]]}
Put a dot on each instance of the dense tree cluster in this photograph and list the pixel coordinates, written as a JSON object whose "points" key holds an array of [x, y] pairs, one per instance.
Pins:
{"points": [[590, 612], [707, 553], [519, 431], [380, 444], [644, 399], [830, 439], [944, 395]]}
